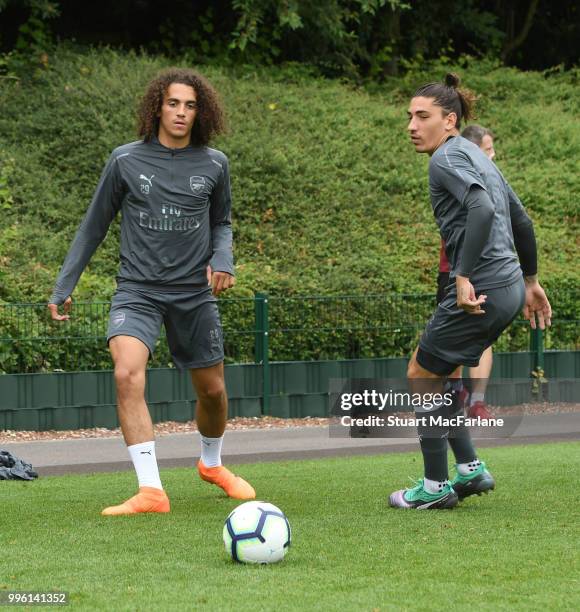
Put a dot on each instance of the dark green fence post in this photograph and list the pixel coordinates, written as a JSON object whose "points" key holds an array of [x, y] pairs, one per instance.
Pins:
{"points": [[537, 348], [262, 352]]}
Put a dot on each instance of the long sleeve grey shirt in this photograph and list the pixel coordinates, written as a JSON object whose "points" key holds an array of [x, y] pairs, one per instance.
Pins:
{"points": [[176, 217], [466, 186]]}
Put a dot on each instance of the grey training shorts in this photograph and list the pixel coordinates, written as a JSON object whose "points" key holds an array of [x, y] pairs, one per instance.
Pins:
{"points": [[191, 319], [457, 338]]}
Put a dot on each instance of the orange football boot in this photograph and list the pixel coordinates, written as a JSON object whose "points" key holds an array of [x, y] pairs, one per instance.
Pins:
{"points": [[149, 499], [233, 485]]}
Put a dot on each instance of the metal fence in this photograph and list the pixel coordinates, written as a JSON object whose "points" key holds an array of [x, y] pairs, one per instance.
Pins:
{"points": [[266, 328]]}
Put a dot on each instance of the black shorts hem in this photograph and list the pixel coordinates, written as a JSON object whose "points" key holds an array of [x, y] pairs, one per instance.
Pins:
{"points": [[195, 365], [435, 364]]}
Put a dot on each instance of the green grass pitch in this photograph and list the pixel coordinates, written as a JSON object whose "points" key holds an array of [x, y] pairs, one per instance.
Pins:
{"points": [[514, 549]]}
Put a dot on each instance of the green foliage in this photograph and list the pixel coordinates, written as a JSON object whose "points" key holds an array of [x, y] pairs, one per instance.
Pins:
{"points": [[331, 33], [176, 36], [34, 40], [329, 196], [6, 170], [348, 38]]}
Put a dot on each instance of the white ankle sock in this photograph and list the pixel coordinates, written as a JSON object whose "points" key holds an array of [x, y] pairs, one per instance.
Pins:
{"points": [[434, 486], [476, 397], [211, 451], [467, 468], [145, 462]]}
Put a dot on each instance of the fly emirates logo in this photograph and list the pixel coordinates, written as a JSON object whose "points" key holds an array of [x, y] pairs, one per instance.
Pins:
{"points": [[171, 220]]}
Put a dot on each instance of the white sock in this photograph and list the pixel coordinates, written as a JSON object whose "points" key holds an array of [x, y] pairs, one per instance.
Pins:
{"points": [[211, 451], [467, 468], [434, 486], [476, 397], [145, 462]]}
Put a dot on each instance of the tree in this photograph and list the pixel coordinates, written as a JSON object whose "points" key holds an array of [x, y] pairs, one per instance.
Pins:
{"points": [[513, 40]]}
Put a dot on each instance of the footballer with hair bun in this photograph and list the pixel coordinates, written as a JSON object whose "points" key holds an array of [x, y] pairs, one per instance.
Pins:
{"points": [[484, 225]]}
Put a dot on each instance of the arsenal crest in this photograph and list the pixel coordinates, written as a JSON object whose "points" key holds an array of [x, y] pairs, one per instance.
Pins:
{"points": [[197, 184], [118, 319]]}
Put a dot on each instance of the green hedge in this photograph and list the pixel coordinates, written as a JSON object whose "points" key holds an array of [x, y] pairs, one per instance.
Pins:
{"points": [[329, 196]]}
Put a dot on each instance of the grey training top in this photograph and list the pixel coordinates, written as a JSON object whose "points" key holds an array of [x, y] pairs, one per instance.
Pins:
{"points": [[455, 168], [176, 217]]}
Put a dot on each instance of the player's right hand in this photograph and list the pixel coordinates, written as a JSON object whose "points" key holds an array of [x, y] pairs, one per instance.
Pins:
{"points": [[55, 316], [466, 299]]}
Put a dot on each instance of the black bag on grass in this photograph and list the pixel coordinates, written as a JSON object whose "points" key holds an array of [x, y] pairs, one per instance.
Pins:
{"points": [[12, 468]]}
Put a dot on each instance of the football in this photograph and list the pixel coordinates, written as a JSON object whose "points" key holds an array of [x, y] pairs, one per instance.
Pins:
{"points": [[257, 532]]}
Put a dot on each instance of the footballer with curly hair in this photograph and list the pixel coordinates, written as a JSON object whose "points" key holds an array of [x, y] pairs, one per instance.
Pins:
{"points": [[176, 255]]}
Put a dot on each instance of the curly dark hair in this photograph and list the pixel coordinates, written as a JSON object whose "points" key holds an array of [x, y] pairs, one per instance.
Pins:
{"points": [[209, 119]]}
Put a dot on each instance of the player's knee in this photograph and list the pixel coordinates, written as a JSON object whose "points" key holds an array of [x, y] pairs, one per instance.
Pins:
{"points": [[212, 392], [127, 378]]}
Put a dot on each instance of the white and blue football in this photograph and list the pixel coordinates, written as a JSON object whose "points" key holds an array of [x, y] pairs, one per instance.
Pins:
{"points": [[257, 532]]}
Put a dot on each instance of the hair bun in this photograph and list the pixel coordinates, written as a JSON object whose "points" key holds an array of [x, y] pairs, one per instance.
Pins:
{"points": [[452, 80]]}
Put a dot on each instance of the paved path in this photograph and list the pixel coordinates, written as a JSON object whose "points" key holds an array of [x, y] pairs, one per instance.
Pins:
{"points": [[57, 457]]}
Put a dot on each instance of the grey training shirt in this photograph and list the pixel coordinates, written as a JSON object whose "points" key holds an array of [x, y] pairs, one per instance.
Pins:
{"points": [[455, 167], [176, 217]]}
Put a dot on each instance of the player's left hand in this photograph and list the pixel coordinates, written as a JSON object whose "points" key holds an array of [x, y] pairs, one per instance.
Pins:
{"points": [[537, 306], [219, 281], [466, 299]]}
